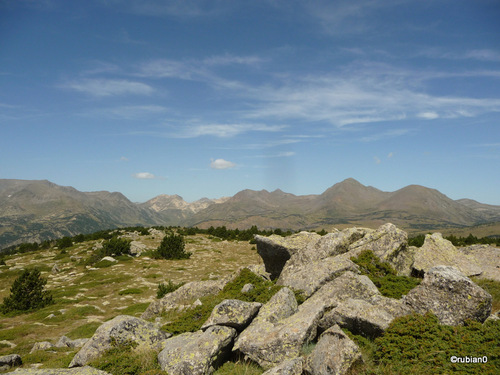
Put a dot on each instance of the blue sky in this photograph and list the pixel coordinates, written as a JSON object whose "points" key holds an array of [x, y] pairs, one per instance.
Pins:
{"points": [[207, 98]]}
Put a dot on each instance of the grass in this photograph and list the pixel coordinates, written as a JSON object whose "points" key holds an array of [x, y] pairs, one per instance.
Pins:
{"points": [[493, 288], [240, 368], [128, 291], [84, 331]]}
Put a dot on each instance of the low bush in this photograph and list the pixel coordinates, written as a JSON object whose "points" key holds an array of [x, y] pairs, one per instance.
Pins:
{"points": [[167, 288], [384, 276]]}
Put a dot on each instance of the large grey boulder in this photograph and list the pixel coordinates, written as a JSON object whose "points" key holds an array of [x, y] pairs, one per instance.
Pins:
{"points": [[488, 258], [369, 318], [66, 342], [87, 370], [196, 353], [9, 361], [334, 354], [288, 367], [233, 313], [188, 292], [437, 251], [276, 250], [280, 330], [42, 345], [388, 243], [123, 329], [309, 277], [451, 296]]}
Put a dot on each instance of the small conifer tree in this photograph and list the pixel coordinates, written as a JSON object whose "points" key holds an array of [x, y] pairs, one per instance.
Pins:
{"points": [[27, 293], [172, 247]]}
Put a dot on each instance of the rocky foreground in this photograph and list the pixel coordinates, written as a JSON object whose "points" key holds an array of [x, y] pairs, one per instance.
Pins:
{"points": [[336, 296]]}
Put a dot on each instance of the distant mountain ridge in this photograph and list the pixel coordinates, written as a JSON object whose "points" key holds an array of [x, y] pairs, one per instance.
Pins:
{"points": [[38, 210]]}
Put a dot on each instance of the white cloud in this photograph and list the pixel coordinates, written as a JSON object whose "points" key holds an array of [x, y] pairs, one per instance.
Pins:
{"points": [[377, 160], [428, 115], [109, 87], [144, 176], [221, 164], [129, 112], [390, 155], [384, 135], [124, 158], [226, 130]]}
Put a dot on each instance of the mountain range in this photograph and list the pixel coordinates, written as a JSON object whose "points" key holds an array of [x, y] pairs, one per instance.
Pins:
{"points": [[37, 210]]}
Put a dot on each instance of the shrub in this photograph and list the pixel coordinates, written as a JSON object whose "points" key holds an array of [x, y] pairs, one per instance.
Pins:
{"points": [[419, 344], [167, 288], [115, 246], [172, 247], [27, 293], [384, 276], [64, 243]]}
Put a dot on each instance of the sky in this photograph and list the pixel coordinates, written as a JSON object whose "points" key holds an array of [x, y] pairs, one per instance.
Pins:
{"points": [[208, 98]]}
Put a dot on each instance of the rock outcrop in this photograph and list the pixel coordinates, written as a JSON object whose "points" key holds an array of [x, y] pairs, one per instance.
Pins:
{"points": [[196, 353], [188, 292], [487, 257], [437, 251], [451, 296], [122, 330], [288, 367]]}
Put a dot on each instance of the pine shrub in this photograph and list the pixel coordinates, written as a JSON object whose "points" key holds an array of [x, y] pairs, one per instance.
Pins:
{"points": [[172, 247], [27, 293]]}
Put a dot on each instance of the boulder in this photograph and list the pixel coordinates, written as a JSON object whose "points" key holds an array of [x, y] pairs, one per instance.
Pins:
{"points": [[55, 268], [233, 313], [276, 250], [451, 296], [122, 329], [247, 288], [196, 353], [43, 345], [280, 330], [66, 342], [367, 318], [334, 354], [288, 367], [109, 259], [387, 242], [488, 258], [9, 361], [309, 277], [188, 292], [437, 251], [87, 370], [137, 247]]}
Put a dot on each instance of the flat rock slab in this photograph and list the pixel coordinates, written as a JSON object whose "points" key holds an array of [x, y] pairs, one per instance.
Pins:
{"points": [[196, 353], [233, 313], [488, 258], [451, 296], [87, 370], [122, 329]]}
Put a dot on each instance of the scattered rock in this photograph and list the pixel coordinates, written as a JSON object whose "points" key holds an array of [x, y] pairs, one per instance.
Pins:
{"points": [[109, 259], [437, 251], [87, 370], [66, 342], [137, 248], [335, 353], [451, 296], [8, 343], [55, 269], [44, 345], [233, 313], [9, 361], [122, 329], [196, 353], [247, 288]]}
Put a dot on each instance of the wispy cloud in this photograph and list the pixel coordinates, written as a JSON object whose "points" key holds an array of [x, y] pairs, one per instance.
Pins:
{"points": [[131, 112], [384, 135], [109, 87], [144, 176], [221, 164], [225, 130]]}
